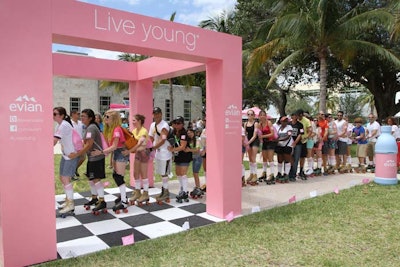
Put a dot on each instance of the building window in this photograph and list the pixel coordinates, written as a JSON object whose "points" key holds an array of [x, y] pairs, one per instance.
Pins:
{"points": [[75, 103], [167, 112], [187, 110], [105, 102]]}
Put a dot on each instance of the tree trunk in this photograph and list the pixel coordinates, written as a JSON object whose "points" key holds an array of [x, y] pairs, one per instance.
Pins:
{"points": [[322, 83]]}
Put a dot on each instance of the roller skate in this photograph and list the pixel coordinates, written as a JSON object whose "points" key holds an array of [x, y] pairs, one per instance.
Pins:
{"points": [[163, 197], [254, 180], [370, 168], [196, 193], [292, 179], [101, 206], [136, 195], [317, 172], [302, 176], [248, 179], [360, 169], [349, 169], [144, 198], [243, 182], [68, 209], [263, 177], [270, 180], [182, 196], [309, 173], [122, 205], [203, 188], [279, 177], [285, 178], [93, 201], [63, 204]]}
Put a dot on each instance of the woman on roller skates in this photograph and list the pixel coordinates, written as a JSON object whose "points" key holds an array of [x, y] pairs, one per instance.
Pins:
{"points": [[268, 147], [142, 157], [69, 161], [252, 129], [284, 150], [115, 138], [194, 147], [181, 157], [95, 165]]}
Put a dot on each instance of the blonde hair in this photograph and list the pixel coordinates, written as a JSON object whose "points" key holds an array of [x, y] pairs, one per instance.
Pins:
{"points": [[113, 122]]}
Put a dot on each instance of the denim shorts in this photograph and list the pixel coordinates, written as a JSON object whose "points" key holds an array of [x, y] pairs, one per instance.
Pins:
{"points": [[118, 157], [197, 161], [68, 167]]}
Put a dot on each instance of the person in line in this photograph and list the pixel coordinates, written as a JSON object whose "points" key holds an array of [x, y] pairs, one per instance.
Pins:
{"points": [[203, 153], [78, 126], [182, 157], [99, 122], [358, 136], [95, 166], [350, 127], [323, 124], [194, 147], [142, 157], [115, 138], [68, 163], [311, 140], [372, 132], [332, 145], [268, 147], [284, 149], [244, 143], [396, 134], [252, 128], [304, 137], [158, 134], [297, 132], [318, 143], [341, 151]]}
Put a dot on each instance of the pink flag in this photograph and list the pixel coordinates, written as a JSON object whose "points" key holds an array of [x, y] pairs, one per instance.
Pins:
{"points": [[336, 191], [128, 240], [365, 181], [229, 217], [107, 183], [292, 199]]}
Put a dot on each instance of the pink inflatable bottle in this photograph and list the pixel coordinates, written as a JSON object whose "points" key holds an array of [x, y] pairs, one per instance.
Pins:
{"points": [[386, 158]]}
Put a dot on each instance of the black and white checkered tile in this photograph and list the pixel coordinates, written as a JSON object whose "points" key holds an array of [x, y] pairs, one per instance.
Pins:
{"points": [[86, 233]]}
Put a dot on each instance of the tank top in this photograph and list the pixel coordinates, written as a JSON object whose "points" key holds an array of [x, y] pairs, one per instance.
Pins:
{"points": [[250, 131], [266, 130]]}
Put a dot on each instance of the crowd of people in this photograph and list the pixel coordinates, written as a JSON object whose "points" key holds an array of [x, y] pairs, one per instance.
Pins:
{"points": [[323, 141], [162, 142]]}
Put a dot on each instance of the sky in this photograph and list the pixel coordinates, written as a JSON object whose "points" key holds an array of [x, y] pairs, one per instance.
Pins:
{"points": [[189, 12]]}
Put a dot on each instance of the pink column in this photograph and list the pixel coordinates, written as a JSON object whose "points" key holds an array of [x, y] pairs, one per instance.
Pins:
{"points": [[27, 205], [224, 136], [141, 101]]}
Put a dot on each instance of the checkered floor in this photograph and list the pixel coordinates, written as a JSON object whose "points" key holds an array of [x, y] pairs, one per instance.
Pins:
{"points": [[86, 233]]}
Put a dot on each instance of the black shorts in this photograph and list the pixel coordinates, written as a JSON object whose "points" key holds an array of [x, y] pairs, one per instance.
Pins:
{"points": [[283, 149], [303, 150], [96, 169], [268, 145]]}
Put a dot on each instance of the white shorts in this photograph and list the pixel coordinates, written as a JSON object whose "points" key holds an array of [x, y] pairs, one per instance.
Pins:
{"points": [[163, 167]]}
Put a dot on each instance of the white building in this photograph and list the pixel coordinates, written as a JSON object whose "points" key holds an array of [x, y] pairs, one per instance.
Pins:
{"points": [[78, 94]]}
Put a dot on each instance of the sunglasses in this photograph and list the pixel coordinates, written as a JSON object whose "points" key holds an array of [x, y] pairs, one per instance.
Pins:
{"points": [[107, 116]]}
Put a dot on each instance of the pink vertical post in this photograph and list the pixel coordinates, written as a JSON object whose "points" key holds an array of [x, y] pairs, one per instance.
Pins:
{"points": [[27, 205], [224, 135], [141, 101]]}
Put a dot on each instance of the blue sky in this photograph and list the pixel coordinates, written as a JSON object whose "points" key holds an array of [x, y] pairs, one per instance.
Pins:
{"points": [[189, 12]]}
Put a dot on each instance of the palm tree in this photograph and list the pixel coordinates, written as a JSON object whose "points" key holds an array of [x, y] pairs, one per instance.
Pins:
{"points": [[220, 23], [318, 28]]}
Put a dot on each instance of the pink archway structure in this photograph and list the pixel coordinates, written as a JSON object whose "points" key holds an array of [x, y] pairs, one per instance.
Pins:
{"points": [[29, 28]]}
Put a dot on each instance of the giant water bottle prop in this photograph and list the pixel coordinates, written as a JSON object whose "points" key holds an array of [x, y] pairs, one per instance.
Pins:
{"points": [[386, 158]]}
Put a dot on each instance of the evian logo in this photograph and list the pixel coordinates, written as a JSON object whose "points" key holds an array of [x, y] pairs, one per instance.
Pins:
{"points": [[390, 163], [25, 104], [232, 110]]}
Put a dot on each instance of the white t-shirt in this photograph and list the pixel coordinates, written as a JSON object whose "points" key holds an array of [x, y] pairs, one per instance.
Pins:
{"points": [[78, 126], [370, 128], [162, 152], [64, 134], [340, 130], [395, 131], [284, 133]]}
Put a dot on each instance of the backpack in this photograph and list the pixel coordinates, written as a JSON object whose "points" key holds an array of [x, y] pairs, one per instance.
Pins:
{"points": [[130, 140], [77, 140], [170, 136]]}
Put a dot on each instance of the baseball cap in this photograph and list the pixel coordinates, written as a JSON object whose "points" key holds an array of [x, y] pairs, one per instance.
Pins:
{"points": [[156, 110], [178, 119]]}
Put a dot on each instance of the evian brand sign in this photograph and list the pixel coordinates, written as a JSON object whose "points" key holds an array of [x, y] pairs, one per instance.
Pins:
{"points": [[25, 104], [106, 21]]}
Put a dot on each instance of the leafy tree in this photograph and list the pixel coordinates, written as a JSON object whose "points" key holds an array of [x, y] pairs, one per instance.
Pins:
{"points": [[320, 29]]}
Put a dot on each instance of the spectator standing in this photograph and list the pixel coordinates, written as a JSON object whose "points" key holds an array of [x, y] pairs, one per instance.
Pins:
{"points": [[252, 128], [372, 132], [284, 150], [341, 151], [158, 132], [297, 132], [332, 145], [358, 136], [304, 137], [99, 122], [268, 147], [194, 146], [323, 124]]}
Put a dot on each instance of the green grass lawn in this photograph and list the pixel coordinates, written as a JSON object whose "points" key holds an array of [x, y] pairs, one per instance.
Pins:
{"points": [[358, 227]]}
